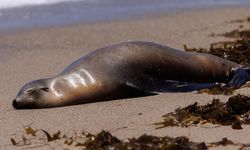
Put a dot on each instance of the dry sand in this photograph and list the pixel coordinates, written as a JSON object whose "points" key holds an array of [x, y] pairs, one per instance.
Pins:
{"points": [[40, 53]]}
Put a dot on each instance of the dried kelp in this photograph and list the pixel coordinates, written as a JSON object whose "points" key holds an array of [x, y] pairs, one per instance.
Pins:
{"points": [[104, 140], [144, 142], [237, 51], [226, 142], [199, 50], [234, 112], [13, 141], [237, 34], [246, 19], [147, 142], [218, 90], [31, 131], [53, 137]]}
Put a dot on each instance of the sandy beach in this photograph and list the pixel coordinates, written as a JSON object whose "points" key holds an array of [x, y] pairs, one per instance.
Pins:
{"points": [[44, 52]]}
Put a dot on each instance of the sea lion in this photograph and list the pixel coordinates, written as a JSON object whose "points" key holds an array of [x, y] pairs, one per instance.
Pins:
{"points": [[130, 69]]}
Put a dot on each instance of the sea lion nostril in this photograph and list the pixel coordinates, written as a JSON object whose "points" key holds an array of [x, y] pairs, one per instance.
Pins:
{"points": [[15, 104]]}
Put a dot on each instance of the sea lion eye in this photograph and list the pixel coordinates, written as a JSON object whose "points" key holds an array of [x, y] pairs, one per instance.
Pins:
{"points": [[45, 89], [30, 91]]}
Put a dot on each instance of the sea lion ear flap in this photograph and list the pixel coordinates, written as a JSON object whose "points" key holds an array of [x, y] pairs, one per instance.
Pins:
{"points": [[45, 89]]}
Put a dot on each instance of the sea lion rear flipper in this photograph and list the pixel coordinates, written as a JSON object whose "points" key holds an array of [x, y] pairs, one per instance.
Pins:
{"points": [[240, 76]]}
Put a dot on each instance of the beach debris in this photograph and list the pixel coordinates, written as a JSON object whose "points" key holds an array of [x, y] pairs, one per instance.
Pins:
{"points": [[199, 50], [104, 140], [226, 142], [237, 51], [237, 34], [13, 141], [241, 23], [235, 112], [30, 131], [23, 142], [53, 137], [162, 143], [223, 142], [218, 89], [246, 19]]}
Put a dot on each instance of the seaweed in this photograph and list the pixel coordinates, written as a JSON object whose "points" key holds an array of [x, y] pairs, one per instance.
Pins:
{"points": [[237, 34], [199, 50], [13, 141], [218, 90], [104, 140], [30, 131], [149, 142], [237, 51], [235, 112], [53, 137], [246, 19], [23, 142], [223, 142]]}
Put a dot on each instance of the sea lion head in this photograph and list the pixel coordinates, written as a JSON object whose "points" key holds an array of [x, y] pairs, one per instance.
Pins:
{"points": [[33, 95]]}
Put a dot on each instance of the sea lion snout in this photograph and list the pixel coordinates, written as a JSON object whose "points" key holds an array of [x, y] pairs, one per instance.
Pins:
{"points": [[24, 105], [32, 95], [19, 105], [15, 104]]}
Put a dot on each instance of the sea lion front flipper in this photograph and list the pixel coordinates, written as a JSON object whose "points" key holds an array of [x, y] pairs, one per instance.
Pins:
{"points": [[181, 86], [240, 77], [163, 86]]}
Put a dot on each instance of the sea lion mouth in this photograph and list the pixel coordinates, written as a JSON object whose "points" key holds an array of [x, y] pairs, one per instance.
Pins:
{"points": [[26, 105]]}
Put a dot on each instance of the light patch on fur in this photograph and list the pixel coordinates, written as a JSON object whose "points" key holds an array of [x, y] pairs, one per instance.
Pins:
{"points": [[89, 76], [81, 78], [75, 80], [54, 89]]}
